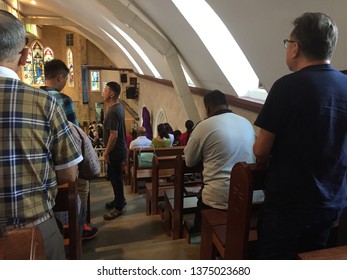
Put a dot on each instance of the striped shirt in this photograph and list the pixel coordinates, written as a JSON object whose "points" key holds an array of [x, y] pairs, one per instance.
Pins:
{"points": [[36, 140]]}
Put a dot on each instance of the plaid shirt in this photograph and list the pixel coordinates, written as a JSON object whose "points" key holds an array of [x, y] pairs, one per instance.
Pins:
{"points": [[36, 140], [65, 102]]}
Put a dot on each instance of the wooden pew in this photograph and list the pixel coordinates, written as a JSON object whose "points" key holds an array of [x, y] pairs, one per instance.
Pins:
{"points": [[162, 169], [181, 200], [22, 244], [67, 200], [229, 234], [333, 253], [138, 173]]}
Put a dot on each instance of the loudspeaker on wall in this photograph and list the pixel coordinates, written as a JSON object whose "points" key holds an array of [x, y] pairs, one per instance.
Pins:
{"points": [[123, 78], [131, 92]]}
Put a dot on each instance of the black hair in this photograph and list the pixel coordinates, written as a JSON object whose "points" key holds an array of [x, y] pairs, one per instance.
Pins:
{"points": [[215, 97], [55, 67], [115, 87]]}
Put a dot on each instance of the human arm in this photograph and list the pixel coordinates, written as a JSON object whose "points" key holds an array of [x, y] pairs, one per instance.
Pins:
{"points": [[110, 144], [192, 152], [263, 145], [67, 175]]}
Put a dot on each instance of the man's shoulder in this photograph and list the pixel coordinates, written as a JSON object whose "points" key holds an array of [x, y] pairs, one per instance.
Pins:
{"points": [[28, 89]]}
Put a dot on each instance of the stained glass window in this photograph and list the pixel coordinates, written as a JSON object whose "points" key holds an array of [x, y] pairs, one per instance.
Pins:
{"points": [[70, 81], [33, 72], [48, 55], [95, 80], [38, 63], [28, 72]]}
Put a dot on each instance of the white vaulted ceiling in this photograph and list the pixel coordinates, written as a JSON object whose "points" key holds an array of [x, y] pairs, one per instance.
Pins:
{"points": [[161, 31]]}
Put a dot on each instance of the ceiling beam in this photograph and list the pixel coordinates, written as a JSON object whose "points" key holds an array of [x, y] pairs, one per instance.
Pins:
{"points": [[164, 47], [57, 21]]}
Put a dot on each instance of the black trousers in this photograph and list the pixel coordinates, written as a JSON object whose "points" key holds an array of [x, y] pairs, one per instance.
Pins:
{"points": [[284, 232]]}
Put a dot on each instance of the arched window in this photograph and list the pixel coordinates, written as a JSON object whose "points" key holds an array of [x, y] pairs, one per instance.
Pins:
{"points": [[70, 81], [38, 62], [33, 72], [48, 55], [161, 118]]}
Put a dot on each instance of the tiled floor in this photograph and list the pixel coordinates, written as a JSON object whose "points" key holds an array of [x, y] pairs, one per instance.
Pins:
{"points": [[133, 235]]}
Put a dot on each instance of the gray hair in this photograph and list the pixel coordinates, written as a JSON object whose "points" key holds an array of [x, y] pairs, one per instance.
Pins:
{"points": [[12, 36], [316, 34]]}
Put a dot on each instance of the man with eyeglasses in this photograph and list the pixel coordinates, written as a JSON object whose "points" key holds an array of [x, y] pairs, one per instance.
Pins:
{"points": [[303, 139]]}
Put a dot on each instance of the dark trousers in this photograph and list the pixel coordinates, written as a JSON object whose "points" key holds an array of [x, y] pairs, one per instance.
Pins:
{"points": [[197, 218], [282, 233], [115, 175]]}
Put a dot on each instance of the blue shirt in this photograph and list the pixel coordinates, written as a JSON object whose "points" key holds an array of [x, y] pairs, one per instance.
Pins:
{"points": [[307, 110]]}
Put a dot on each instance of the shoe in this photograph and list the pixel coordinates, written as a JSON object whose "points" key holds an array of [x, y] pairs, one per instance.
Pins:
{"points": [[89, 232], [112, 204], [114, 213]]}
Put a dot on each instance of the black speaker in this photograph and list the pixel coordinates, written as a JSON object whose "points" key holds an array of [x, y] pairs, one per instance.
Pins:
{"points": [[131, 92], [133, 81], [123, 78]]}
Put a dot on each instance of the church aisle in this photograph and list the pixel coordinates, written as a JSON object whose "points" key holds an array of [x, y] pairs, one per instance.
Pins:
{"points": [[133, 235]]}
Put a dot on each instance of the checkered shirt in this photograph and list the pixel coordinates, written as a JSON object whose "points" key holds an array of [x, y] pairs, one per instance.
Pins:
{"points": [[65, 101], [36, 140]]}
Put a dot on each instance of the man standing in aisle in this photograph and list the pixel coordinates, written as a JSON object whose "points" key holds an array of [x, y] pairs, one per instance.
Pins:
{"points": [[115, 151], [37, 149], [303, 137], [56, 76]]}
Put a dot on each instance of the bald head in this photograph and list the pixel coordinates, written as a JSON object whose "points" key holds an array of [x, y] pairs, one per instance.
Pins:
{"points": [[141, 131]]}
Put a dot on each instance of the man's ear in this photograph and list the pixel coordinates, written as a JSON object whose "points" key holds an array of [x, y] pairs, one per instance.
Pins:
{"points": [[296, 50], [60, 77], [23, 58]]}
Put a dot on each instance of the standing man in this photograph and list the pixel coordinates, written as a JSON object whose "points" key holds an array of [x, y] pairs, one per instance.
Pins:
{"points": [[56, 76], [219, 142], [115, 151], [37, 150], [303, 137]]}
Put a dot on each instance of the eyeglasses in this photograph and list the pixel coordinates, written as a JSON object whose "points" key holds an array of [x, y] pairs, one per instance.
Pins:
{"points": [[286, 41]]}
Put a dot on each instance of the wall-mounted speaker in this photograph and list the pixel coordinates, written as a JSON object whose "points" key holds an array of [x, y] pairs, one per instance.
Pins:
{"points": [[133, 81], [131, 92], [123, 78]]}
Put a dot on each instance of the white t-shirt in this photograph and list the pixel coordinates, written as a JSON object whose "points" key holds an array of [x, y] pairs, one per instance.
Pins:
{"points": [[219, 142], [140, 142]]}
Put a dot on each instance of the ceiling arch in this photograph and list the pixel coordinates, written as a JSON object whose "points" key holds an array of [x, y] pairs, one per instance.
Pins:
{"points": [[258, 26]]}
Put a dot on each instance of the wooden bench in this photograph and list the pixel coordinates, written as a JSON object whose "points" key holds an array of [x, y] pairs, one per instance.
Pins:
{"points": [[144, 174], [182, 199], [333, 253], [22, 244], [66, 200], [162, 169], [229, 234]]}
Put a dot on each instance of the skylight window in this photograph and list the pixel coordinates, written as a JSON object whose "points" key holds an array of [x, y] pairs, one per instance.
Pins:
{"points": [[221, 44], [137, 49], [188, 79], [133, 61]]}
